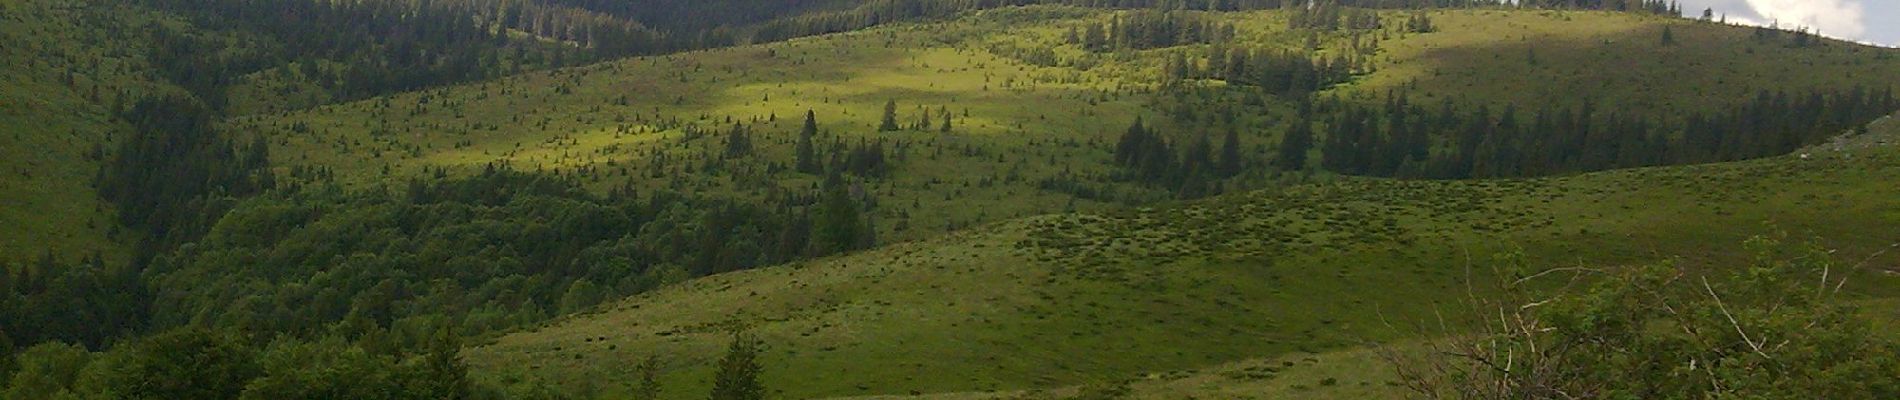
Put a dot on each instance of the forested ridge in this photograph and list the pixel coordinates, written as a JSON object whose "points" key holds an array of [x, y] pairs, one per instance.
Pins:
{"points": [[359, 49]]}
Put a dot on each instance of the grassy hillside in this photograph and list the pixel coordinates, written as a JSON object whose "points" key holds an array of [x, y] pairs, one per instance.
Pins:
{"points": [[1024, 245], [1079, 298], [65, 67], [660, 122], [1618, 60], [628, 121]]}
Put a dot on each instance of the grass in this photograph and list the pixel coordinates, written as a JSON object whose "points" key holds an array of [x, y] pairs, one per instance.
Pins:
{"points": [[1355, 374], [64, 71], [1078, 299], [1616, 60], [1013, 123], [1016, 124]]}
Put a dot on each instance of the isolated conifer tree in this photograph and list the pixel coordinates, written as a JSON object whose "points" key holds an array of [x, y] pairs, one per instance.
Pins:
{"points": [[946, 122], [890, 117], [739, 142], [807, 159], [1668, 36], [738, 375]]}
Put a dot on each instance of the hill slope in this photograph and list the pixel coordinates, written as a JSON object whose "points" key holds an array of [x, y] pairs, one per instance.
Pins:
{"points": [[65, 70], [1070, 299], [1034, 132]]}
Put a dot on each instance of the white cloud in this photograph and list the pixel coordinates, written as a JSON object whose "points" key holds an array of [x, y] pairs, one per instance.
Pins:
{"points": [[1838, 18]]}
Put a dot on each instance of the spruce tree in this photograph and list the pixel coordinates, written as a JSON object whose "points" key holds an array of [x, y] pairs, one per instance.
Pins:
{"points": [[839, 226], [739, 142], [1293, 147], [946, 122], [890, 117], [442, 368], [738, 375], [807, 159], [1230, 162], [1199, 157]]}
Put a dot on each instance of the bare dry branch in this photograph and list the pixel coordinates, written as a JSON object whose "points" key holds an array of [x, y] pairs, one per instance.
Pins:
{"points": [[1731, 319]]}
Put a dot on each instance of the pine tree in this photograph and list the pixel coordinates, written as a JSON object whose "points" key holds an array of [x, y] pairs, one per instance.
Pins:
{"points": [[1230, 162], [738, 375], [839, 225], [1294, 145], [890, 117], [443, 369], [1199, 157], [1668, 36], [739, 142], [807, 159], [946, 122]]}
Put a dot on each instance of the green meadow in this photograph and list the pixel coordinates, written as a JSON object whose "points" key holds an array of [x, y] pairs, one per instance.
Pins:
{"points": [[657, 122], [1093, 299]]}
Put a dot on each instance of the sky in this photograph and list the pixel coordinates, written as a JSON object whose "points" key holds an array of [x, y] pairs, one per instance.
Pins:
{"points": [[1869, 21]]}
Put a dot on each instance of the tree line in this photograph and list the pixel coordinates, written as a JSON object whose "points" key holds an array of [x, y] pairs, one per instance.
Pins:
{"points": [[1403, 139], [1190, 171], [354, 49]]}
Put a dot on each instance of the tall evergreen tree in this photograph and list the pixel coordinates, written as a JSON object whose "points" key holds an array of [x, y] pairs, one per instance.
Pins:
{"points": [[839, 224], [946, 122], [1230, 162], [739, 142], [1293, 146], [443, 369], [807, 159], [890, 117], [1199, 157], [738, 374]]}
